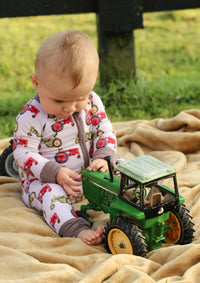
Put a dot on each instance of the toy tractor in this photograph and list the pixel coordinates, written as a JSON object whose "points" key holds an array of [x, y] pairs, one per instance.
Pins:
{"points": [[144, 212]]}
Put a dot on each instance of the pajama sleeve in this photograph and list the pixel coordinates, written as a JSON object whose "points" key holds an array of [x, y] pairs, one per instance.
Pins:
{"points": [[27, 140], [104, 140]]}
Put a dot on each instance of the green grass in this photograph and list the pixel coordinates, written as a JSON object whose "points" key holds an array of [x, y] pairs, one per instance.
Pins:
{"points": [[167, 59]]}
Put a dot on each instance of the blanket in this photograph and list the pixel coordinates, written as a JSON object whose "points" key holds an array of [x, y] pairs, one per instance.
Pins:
{"points": [[31, 252]]}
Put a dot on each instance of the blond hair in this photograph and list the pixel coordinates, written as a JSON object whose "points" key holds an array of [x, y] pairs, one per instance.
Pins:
{"points": [[66, 54]]}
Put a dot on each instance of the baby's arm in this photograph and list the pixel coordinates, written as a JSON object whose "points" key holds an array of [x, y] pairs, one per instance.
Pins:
{"points": [[31, 122], [68, 179]]}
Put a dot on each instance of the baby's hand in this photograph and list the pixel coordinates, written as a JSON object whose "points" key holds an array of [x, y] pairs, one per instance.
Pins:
{"points": [[98, 163], [68, 179]]}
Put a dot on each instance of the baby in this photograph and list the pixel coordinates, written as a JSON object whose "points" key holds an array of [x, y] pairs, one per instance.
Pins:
{"points": [[61, 131]]}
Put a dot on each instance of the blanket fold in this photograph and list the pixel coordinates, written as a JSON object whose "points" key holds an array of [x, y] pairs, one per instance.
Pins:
{"points": [[31, 252]]}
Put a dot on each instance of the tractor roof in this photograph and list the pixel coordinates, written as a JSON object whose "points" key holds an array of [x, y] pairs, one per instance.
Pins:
{"points": [[144, 168]]}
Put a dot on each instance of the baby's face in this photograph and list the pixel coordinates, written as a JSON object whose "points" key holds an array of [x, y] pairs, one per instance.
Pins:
{"points": [[59, 98]]}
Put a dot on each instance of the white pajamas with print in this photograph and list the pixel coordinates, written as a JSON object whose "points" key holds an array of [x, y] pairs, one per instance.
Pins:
{"points": [[44, 143]]}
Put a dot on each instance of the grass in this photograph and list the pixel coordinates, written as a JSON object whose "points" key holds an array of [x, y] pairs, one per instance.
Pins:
{"points": [[167, 58]]}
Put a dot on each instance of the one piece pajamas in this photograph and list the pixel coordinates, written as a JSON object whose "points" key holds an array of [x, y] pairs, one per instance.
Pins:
{"points": [[43, 143]]}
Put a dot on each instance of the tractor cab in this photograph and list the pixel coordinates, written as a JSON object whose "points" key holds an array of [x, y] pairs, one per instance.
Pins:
{"points": [[143, 185]]}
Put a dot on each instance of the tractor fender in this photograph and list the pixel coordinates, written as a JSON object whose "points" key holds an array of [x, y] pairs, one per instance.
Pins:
{"points": [[127, 209]]}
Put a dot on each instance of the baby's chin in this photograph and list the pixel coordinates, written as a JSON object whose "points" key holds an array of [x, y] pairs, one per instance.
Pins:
{"points": [[63, 116]]}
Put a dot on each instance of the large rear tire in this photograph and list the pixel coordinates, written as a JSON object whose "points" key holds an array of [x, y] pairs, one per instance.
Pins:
{"points": [[180, 226]]}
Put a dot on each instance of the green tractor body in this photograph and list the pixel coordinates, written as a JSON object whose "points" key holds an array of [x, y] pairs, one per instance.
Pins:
{"points": [[138, 200]]}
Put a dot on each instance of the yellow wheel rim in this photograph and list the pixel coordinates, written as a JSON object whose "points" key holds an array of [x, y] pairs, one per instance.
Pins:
{"points": [[119, 242], [174, 233]]}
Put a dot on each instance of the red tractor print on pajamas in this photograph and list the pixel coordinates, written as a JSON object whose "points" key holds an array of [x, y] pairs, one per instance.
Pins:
{"points": [[93, 117], [20, 141], [28, 164], [31, 108], [58, 126], [102, 142], [43, 191], [97, 118], [53, 219], [63, 156], [26, 190]]}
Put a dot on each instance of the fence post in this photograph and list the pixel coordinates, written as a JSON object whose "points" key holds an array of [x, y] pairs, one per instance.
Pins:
{"points": [[116, 21], [117, 55]]}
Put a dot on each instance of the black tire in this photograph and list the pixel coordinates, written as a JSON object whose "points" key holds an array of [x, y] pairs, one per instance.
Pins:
{"points": [[130, 240], [8, 166], [181, 227]]}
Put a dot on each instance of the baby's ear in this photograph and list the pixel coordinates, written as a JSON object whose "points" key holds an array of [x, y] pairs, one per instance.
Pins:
{"points": [[34, 82]]}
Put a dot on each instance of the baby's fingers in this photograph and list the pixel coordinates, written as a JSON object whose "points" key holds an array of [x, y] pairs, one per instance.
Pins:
{"points": [[104, 168], [75, 192], [98, 164], [72, 182], [74, 175]]}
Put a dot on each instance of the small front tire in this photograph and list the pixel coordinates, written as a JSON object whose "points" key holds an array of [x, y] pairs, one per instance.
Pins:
{"points": [[123, 237]]}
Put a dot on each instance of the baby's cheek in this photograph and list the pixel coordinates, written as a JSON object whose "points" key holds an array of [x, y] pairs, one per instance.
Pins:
{"points": [[81, 107]]}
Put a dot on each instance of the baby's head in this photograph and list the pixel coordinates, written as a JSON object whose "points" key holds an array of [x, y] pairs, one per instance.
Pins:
{"points": [[68, 55], [66, 68]]}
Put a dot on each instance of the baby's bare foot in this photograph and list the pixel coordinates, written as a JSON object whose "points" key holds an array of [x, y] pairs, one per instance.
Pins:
{"points": [[91, 237]]}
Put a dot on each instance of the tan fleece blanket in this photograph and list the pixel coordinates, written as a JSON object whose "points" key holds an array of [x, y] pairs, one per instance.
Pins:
{"points": [[31, 252]]}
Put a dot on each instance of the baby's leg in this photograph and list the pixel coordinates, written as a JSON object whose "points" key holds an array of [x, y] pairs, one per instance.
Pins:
{"points": [[53, 202]]}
